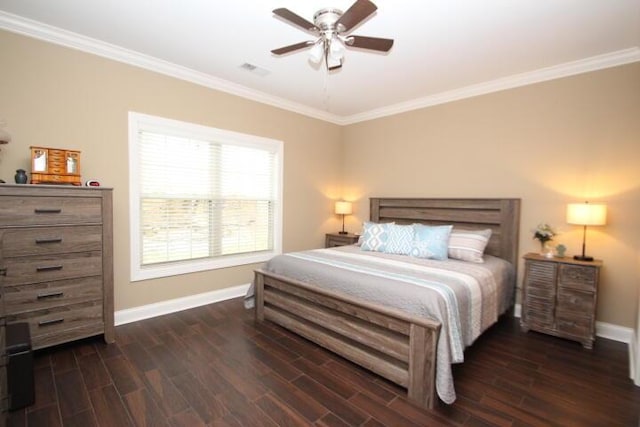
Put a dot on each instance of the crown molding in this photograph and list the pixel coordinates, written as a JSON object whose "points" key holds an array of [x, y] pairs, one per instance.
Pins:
{"points": [[48, 33], [38, 30], [594, 63]]}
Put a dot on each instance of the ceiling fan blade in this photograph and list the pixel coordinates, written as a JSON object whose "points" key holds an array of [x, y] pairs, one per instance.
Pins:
{"points": [[372, 43], [297, 20], [291, 48], [358, 12]]}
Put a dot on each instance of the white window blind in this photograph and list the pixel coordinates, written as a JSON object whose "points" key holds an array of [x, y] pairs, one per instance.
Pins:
{"points": [[205, 198]]}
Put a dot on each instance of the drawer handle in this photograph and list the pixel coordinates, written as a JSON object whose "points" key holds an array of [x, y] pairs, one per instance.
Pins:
{"points": [[49, 268], [47, 210], [52, 240], [50, 322], [50, 295]]}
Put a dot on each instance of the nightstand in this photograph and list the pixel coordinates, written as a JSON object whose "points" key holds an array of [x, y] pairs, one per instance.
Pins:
{"points": [[337, 239], [559, 297]]}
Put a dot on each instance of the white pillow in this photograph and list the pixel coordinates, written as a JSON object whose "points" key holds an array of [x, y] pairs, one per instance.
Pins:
{"points": [[468, 245]]}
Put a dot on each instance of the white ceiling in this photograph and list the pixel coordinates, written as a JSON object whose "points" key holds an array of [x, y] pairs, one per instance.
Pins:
{"points": [[444, 49]]}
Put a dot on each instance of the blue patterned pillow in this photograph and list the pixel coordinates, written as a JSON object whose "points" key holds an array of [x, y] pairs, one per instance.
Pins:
{"points": [[431, 241], [400, 239], [375, 236]]}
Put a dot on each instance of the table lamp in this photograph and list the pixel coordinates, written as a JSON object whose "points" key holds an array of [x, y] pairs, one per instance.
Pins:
{"points": [[343, 208], [586, 214]]}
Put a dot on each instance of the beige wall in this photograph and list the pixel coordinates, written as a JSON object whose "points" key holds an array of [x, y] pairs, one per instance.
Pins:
{"points": [[58, 97], [566, 140], [551, 143]]}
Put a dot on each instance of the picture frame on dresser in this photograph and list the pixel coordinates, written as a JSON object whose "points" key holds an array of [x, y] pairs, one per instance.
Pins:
{"points": [[56, 255]]}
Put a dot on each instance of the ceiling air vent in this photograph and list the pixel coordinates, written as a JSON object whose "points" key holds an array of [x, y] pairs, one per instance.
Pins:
{"points": [[254, 69]]}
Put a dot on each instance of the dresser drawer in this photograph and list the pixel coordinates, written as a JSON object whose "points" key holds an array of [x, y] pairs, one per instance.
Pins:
{"points": [[41, 296], [62, 324], [46, 268], [576, 301], [578, 277], [50, 240], [21, 211]]}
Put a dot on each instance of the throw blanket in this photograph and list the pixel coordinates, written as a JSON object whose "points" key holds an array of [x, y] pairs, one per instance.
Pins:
{"points": [[466, 298]]}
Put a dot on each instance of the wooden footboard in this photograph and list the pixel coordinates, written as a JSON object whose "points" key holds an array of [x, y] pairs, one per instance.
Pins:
{"points": [[393, 344]]}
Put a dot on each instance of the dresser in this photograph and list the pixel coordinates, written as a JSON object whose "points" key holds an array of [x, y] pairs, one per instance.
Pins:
{"points": [[559, 297], [56, 261], [336, 239]]}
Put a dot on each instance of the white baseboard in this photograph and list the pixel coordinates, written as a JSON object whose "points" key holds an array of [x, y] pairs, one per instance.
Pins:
{"points": [[171, 306], [614, 332], [634, 369], [603, 329]]}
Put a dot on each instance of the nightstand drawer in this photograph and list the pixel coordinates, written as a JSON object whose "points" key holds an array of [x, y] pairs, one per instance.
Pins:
{"points": [[539, 318], [333, 240], [576, 301], [540, 274], [535, 290], [50, 240], [571, 324], [578, 277]]}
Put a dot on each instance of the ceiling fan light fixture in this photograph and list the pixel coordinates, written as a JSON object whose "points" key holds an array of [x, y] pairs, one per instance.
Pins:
{"points": [[317, 52], [336, 48], [332, 27]]}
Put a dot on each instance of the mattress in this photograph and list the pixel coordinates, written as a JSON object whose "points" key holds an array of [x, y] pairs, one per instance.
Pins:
{"points": [[466, 298]]}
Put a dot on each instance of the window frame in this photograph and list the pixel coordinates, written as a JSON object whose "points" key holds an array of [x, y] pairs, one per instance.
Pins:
{"points": [[138, 122]]}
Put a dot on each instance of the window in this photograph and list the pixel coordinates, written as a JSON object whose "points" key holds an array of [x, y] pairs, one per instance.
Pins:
{"points": [[201, 198]]}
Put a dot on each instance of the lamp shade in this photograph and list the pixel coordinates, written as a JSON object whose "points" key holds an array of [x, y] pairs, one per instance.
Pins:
{"points": [[343, 208], [317, 52], [586, 214]]}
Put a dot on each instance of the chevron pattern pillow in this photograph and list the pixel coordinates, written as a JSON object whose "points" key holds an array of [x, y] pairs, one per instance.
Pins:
{"points": [[400, 239]]}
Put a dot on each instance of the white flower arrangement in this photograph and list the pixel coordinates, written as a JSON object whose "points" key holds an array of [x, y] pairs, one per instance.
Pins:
{"points": [[544, 233]]}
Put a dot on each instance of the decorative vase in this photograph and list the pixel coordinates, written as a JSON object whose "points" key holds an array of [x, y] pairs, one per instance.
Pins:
{"points": [[546, 250], [21, 176]]}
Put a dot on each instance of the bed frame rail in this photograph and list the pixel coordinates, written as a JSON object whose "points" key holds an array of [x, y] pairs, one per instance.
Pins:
{"points": [[394, 345]]}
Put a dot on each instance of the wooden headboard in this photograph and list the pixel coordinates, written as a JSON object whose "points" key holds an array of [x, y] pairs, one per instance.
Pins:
{"points": [[502, 216]]}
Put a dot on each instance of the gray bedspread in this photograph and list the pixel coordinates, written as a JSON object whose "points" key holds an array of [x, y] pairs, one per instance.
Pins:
{"points": [[466, 298]]}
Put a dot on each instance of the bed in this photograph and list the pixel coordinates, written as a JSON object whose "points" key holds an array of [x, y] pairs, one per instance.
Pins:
{"points": [[396, 343]]}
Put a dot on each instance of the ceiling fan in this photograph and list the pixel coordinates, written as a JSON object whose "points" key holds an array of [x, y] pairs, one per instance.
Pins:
{"points": [[331, 27]]}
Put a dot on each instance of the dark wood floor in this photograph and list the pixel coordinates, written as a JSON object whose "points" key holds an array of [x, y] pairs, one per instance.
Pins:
{"points": [[213, 366]]}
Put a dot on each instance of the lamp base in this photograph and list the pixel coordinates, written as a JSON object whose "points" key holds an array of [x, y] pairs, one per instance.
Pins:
{"points": [[343, 232], [583, 258]]}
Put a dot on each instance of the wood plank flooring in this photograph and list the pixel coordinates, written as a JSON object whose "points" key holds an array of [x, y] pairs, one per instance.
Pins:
{"points": [[213, 366]]}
